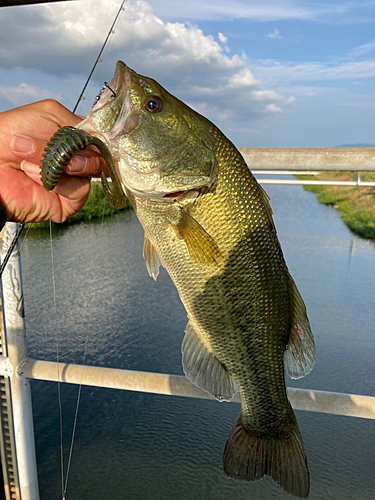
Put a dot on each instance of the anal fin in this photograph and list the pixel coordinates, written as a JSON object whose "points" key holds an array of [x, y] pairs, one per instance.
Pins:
{"points": [[204, 369], [299, 356]]}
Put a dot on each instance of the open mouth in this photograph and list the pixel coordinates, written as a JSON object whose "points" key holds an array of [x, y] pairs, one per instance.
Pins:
{"points": [[174, 195]]}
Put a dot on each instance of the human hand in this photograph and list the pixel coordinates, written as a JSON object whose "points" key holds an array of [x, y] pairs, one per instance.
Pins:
{"points": [[25, 132]]}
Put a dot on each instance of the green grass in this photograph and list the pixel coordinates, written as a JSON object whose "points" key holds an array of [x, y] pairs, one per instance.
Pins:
{"points": [[96, 207], [356, 205]]}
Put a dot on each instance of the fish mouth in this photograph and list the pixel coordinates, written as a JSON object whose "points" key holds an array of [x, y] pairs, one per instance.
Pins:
{"points": [[154, 186], [127, 118], [119, 116], [176, 194]]}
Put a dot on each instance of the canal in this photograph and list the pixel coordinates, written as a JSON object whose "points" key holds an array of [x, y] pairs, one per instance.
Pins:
{"points": [[144, 446]]}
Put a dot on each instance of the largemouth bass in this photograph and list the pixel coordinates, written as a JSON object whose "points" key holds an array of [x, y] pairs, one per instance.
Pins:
{"points": [[209, 223]]}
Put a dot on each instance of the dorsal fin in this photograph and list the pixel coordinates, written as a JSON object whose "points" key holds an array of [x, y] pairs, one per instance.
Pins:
{"points": [[266, 199], [299, 356]]}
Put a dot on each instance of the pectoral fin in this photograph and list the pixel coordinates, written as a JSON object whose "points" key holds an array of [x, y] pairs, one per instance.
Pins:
{"points": [[299, 357], [151, 258], [201, 246], [204, 369]]}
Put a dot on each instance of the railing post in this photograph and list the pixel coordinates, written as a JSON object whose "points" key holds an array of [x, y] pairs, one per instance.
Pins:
{"points": [[14, 322]]}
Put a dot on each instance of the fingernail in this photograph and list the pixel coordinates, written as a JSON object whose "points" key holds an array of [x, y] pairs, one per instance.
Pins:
{"points": [[22, 144], [77, 164]]}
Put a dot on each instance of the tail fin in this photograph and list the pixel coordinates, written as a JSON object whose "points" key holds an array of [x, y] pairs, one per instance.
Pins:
{"points": [[249, 456]]}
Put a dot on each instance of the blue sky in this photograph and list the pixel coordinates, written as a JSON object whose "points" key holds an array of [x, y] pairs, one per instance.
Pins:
{"points": [[285, 73]]}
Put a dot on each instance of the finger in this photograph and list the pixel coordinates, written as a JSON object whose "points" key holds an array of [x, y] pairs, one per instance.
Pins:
{"points": [[73, 189], [87, 163], [66, 199], [31, 170], [28, 147], [68, 186], [59, 113]]}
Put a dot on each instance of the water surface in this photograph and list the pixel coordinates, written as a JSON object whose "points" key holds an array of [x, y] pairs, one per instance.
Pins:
{"points": [[143, 446]]}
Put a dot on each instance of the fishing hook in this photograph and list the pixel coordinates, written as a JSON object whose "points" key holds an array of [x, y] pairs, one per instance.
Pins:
{"points": [[101, 92]]}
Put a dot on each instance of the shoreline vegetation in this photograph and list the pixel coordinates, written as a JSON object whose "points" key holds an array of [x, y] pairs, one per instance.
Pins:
{"points": [[356, 204], [96, 207]]}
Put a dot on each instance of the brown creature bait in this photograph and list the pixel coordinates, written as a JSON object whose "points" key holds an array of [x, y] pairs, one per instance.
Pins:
{"points": [[61, 148]]}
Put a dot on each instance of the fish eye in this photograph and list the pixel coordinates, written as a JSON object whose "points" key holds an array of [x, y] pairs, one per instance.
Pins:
{"points": [[153, 104]]}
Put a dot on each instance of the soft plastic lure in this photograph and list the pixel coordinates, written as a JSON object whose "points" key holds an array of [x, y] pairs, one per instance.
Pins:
{"points": [[61, 148]]}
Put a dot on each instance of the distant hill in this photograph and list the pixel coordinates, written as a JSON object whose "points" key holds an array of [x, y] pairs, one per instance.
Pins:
{"points": [[357, 145]]}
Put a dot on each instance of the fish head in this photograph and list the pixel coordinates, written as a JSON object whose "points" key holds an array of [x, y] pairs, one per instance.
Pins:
{"points": [[157, 142]]}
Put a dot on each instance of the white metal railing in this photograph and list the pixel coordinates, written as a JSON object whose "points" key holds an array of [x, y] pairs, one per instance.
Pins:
{"points": [[350, 405], [302, 159], [15, 340], [20, 369], [310, 161]]}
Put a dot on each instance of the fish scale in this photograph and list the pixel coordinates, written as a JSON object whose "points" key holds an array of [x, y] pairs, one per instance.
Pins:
{"points": [[209, 223], [248, 294]]}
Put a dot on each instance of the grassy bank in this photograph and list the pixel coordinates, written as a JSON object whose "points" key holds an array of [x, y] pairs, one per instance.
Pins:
{"points": [[355, 204], [96, 207]]}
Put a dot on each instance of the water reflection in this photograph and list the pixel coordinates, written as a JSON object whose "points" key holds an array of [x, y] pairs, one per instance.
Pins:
{"points": [[136, 445]]}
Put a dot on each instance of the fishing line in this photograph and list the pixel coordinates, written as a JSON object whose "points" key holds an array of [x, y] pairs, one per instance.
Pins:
{"points": [[24, 238], [133, 22], [110, 32], [75, 421], [57, 360], [65, 484], [103, 213]]}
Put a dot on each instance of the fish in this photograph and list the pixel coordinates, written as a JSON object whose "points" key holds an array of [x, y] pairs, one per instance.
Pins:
{"points": [[209, 223]]}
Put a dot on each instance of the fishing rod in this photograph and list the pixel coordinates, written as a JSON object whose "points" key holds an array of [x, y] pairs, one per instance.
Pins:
{"points": [[11, 248], [110, 32]]}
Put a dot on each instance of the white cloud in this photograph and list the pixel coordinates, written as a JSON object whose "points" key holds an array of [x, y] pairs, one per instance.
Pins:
{"points": [[272, 72], [344, 12], [24, 94], [273, 34], [64, 39], [290, 100], [222, 38], [222, 117], [61, 40], [272, 108], [242, 79], [362, 50], [189, 41], [265, 95]]}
